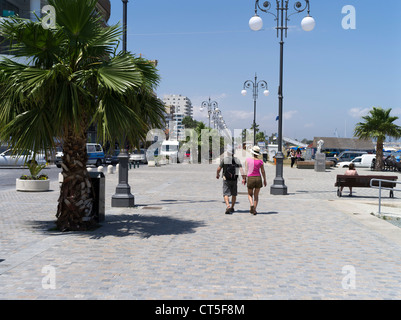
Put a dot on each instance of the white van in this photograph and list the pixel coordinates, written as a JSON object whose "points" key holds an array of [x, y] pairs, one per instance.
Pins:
{"points": [[364, 161], [170, 148], [95, 155]]}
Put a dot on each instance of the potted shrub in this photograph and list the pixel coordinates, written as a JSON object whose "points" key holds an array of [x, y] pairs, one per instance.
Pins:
{"points": [[33, 182]]}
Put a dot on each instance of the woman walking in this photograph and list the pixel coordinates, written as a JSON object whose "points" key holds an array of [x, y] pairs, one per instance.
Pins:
{"points": [[254, 168]]}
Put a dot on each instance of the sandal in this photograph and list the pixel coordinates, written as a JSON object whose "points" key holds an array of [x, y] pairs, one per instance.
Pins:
{"points": [[228, 210], [252, 210]]}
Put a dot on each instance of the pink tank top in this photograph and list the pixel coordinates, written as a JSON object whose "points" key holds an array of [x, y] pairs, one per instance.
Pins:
{"points": [[253, 167]]}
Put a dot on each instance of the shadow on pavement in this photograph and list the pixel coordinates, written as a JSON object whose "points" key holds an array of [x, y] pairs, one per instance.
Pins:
{"points": [[144, 226], [126, 225], [259, 212]]}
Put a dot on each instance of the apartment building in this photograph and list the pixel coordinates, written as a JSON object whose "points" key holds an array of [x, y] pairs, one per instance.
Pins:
{"points": [[180, 103], [177, 108]]}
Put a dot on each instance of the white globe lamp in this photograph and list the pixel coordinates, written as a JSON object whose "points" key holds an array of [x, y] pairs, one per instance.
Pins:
{"points": [[243, 92], [308, 23], [266, 92], [256, 23]]}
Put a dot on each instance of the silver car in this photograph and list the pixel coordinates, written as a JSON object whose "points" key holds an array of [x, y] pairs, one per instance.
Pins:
{"points": [[13, 158], [138, 155]]}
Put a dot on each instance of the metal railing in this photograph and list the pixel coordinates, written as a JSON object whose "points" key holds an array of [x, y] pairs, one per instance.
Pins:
{"points": [[380, 187]]}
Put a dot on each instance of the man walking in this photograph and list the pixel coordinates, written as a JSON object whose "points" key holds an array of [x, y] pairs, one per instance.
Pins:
{"points": [[230, 166]]}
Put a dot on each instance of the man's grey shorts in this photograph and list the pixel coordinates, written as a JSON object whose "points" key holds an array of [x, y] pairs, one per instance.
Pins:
{"points": [[230, 188]]}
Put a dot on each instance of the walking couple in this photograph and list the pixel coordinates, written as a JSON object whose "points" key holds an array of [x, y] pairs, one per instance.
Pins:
{"points": [[254, 169]]}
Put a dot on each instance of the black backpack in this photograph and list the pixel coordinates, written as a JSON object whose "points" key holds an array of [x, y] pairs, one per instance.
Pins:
{"points": [[231, 171]]}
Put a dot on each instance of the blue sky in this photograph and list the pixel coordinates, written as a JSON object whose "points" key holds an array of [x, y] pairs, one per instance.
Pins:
{"points": [[332, 76]]}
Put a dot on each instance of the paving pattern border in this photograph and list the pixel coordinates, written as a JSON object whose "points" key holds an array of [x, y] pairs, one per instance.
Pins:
{"points": [[177, 243]]}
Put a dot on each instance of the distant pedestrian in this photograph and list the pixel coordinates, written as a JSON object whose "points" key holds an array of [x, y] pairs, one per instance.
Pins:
{"points": [[254, 168], [231, 166], [293, 157], [350, 172], [299, 155]]}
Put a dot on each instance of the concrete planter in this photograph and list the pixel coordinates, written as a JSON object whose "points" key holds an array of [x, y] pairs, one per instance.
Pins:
{"points": [[151, 163], [32, 185]]}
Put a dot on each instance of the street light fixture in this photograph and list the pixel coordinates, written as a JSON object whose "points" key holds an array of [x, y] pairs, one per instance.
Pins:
{"points": [[212, 107], [282, 18], [217, 116], [255, 85]]}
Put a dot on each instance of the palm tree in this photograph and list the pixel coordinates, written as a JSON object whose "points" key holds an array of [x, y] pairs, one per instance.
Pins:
{"points": [[73, 78], [377, 125]]}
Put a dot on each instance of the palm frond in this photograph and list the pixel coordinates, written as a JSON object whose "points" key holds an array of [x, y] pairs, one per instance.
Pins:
{"points": [[377, 125], [116, 119], [76, 17], [120, 74], [33, 129]]}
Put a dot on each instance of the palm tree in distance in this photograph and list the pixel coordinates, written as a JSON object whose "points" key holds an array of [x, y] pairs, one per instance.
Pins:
{"points": [[378, 125], [73, 78]]}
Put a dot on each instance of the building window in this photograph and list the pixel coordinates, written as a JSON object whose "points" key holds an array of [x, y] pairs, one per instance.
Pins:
{"points": [[7, 9]]}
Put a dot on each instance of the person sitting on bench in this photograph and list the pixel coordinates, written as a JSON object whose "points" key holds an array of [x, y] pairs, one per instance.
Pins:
{"points": [[350, 172]]}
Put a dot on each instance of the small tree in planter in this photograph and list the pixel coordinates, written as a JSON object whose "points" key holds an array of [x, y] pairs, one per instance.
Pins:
{"points": [[34, 181], [34, 169]]}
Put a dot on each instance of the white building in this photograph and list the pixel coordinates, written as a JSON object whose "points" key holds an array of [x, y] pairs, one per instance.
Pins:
{"points": [[177, 108], [180, 103], [177, 128]]}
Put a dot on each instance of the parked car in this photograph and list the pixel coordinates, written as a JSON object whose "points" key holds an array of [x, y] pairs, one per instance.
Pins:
{"points": [[95, 155], [346, 156], [112, 158], [138, 155], [12, 157], [364, 161]]}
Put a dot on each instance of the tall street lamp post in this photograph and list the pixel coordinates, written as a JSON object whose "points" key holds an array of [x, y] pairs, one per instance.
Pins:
{"points": [[255, 85], [282, 18], [123, 196], [212, 107], [125, 2]]}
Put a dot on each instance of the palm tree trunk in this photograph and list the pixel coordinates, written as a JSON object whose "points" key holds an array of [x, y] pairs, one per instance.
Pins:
{"points": [[74, 212], [379, 155]]}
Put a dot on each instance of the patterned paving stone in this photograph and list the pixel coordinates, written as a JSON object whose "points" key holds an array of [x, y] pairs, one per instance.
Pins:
{"points": [[177, 243]]}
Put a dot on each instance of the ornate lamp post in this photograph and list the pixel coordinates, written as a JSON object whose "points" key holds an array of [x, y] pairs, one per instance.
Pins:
{"points": [[212, 107], [123, 196], [282, 18], [216, 119], [255, 85]]}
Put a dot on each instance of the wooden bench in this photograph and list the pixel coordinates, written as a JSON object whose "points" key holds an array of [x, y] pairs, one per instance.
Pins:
{"points": [[311, 164], [363, 182]]}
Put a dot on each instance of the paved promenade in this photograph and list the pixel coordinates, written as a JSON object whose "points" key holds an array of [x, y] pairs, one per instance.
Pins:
{"points": [[177, 243]]}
